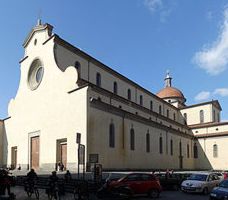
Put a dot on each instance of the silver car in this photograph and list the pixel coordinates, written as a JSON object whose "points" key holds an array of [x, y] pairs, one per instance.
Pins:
{"points": [[200, 182]]}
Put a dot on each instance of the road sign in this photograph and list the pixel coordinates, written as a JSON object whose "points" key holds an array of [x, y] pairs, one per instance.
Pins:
{"points": [[78, 138], [81, 154]]}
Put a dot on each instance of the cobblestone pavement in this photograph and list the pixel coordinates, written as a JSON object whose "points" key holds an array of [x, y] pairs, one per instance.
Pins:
{"points": [[165, 195]]}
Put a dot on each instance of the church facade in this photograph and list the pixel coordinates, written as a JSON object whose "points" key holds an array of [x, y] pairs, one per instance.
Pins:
{"points": [[64, 91]]}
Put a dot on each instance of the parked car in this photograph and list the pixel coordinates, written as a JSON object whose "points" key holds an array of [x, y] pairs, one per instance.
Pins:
{"points": [[202, 182], [172, 181], [132, 184], [220, 192], [225, 175], [221, 174]]}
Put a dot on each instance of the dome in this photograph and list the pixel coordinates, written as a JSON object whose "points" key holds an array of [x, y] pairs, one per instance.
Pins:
{"points": [[170, 92]]}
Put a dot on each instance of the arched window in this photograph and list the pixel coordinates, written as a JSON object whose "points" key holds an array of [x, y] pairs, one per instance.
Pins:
{"points": [[160, 145], [98, 79], [151, 105], [188, 151], [160, 110], [141, 100], [180, 148], [167, 113], [129, 94], [195, 151], [174, 116], [201, 116], [111, 135], [147, 142], [215, 150], [77, 65], [171, 147], [115, 88], [185, 118], [132, 139]]}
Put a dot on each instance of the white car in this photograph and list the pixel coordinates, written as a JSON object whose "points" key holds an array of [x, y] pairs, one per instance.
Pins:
{"points": [[201, 182]]}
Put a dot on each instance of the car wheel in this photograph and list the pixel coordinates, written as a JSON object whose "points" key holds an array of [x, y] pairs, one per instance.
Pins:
{"points": [[153, 193], [205, 191]]}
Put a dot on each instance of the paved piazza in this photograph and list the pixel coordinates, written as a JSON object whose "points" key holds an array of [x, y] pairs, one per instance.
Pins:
{"points": [[165, 195]]}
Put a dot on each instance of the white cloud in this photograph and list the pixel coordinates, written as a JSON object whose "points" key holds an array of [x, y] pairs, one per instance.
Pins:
{"points": [[204, 95], [214, 59], [221, 91], [153, 5]]}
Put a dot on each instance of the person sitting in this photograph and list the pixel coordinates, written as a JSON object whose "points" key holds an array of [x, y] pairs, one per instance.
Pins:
{"points": [[167, 174], [67, 176], [5, 182], [53, 183], [31, 175], [31, 179], [60, 166]]}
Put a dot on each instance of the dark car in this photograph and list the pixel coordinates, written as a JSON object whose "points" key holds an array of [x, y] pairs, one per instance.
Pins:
{"points": [[220, 192], [135, 184], [172, 181]]}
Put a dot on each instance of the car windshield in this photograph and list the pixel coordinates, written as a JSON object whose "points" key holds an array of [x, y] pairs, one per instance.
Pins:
{"points": [[224, 184], [198, 177]]}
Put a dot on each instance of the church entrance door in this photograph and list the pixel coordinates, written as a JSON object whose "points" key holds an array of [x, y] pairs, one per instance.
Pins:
{"points": [[35, 151], [63, 150]]}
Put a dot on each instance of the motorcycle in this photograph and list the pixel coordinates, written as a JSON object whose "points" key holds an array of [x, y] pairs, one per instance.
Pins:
{"points": [[108, 192]]}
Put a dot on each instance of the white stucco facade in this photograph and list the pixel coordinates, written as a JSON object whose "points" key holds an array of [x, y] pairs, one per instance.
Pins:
{"points": [[64, 91]]}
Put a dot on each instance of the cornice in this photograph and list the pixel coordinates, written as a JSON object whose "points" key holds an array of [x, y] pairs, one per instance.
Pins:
{"points": [[112, 109], [23, 59], [209, 124], [128, 102], [214, 102], [221, 134]]}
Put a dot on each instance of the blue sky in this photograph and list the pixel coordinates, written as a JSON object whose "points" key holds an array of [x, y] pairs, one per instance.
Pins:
{"points": [[141, 39]]}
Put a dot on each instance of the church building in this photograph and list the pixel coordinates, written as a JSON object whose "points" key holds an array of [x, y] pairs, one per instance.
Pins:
{"points": [[64, 93]]}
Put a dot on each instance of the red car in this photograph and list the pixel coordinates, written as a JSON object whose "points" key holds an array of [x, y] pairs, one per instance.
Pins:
{"points": [[139, 183], [225, 175]]}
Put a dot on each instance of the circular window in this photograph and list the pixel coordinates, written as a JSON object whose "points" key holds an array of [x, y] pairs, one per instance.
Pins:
{"points": [[35, 74]]}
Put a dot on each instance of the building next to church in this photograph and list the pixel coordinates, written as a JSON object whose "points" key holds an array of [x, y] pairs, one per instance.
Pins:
{"points": [[64, 91]]}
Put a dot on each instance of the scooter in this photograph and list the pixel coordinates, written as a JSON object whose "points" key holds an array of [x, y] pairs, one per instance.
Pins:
{"points": [[107, 192]]}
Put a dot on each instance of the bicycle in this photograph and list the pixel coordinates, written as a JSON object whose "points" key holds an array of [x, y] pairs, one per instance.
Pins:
{"points": [[30, 189], [53, 191], [81, 191]]}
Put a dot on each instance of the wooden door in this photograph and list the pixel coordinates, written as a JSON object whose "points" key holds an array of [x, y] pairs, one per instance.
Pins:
{"points": [[35, 151], [63, 153], [13, 157]]}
